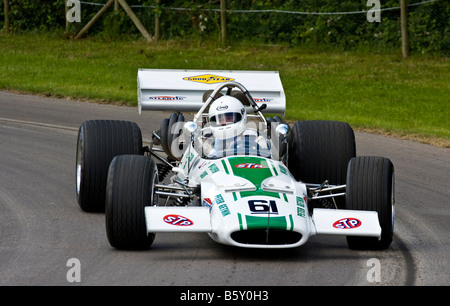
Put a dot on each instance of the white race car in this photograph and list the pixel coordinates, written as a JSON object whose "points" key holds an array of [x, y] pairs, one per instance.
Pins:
{"points": [[244, 179]]}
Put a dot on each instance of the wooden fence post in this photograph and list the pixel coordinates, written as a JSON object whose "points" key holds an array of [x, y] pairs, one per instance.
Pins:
{"points": [[157, 20], [94, 19], [404, 26], [129, 12], [136, 20], [223, 21], [67, 10], [7, 16]]}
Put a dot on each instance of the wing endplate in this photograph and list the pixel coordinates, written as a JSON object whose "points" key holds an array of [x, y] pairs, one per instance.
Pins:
{"points": [[346, 222]]}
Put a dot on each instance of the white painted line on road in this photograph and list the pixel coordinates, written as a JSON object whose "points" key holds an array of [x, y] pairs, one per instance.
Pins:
{"points": [[52, 126], [41, 124]]}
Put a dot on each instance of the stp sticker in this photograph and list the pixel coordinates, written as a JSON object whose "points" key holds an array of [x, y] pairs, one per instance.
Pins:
{"points": [[347, 223], [178, 220], [250, 166]]}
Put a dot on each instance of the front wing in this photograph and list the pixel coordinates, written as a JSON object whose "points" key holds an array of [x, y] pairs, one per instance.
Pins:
{"points": [[323, 222]]}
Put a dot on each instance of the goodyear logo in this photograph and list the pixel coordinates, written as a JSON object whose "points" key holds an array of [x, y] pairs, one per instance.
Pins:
{"points": [[208, 79]]}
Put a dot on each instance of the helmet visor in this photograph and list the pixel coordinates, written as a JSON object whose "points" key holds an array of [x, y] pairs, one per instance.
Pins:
{"points": [[225, 119]]}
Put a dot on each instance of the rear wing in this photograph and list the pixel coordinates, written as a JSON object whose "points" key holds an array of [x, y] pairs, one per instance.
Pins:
{"points": [[182, 90]]}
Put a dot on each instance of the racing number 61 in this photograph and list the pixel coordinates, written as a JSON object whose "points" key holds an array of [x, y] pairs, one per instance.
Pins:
{"points": [[262, 206]]}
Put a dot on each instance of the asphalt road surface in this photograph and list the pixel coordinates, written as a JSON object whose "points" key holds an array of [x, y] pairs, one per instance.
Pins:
{"points": [[42, 229]]}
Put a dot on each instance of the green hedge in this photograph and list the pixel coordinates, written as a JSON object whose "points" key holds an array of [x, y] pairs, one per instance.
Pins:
{"points": [[26, 15], [429, 25]]}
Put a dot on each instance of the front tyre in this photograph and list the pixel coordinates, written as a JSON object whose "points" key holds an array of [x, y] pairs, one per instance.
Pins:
{"points": [[370, 186], [130, 188]]}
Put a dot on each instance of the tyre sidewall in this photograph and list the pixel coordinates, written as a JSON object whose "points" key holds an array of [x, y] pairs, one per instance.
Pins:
{"points": [[99, 141], [130, 189], [370, 186]]}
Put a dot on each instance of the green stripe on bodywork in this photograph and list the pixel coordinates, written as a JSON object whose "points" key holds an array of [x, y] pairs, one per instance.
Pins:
{"points": [[292, 222], [274, 168], [225, 166], [241, 225], [264, 222], [255, 175]]}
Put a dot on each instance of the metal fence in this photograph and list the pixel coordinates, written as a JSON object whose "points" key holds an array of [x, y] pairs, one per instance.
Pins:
{"points": [[344, 25]]}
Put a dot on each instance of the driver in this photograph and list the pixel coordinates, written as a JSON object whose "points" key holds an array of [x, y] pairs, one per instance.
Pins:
{"points": [[228, 120], [227, 117]]}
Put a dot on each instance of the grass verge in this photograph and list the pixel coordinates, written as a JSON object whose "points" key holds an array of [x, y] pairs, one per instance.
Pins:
{"points": [[373, 92]]}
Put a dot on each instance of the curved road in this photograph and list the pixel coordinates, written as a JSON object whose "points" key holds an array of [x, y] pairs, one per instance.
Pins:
{"points": [[42, 226]]}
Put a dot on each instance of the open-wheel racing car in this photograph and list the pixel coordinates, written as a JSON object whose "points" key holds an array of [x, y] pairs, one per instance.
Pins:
{"points": [[246, 180]]}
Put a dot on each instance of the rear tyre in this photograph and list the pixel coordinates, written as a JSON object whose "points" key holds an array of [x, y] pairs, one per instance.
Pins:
{"points": [[370, 186], [99, 141], [321, 150], [170, 132], [130, 188]]}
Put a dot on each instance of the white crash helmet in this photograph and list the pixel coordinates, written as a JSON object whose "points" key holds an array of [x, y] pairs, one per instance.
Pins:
{"points": [[227, 117]]}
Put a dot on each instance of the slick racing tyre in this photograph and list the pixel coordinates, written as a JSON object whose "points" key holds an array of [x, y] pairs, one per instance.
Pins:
{"points": [[130, 187], [99, 141], [321, 150], [370, 186]]}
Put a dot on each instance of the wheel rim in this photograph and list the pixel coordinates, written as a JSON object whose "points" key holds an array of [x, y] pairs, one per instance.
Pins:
{"points": [[393, 201], [155, 198], [78, 167]]}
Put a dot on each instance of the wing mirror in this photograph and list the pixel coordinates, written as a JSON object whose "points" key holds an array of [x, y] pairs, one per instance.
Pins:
{"points": [[282, 130], [189, 128]]}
